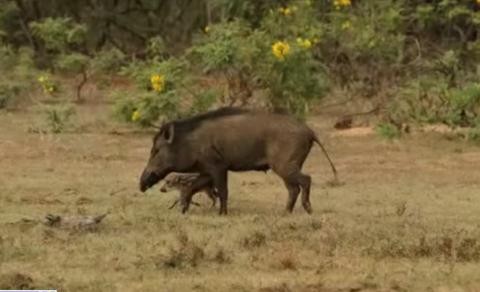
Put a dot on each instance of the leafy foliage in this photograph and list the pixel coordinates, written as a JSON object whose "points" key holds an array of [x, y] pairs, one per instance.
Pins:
{"points": [[417, 57], [57, 119], [388, 131], [152, 101], [59, 33], [7, 94], [266, 58]]}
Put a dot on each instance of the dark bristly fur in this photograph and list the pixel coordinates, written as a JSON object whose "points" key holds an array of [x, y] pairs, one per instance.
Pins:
{"points": [[233, 139]]}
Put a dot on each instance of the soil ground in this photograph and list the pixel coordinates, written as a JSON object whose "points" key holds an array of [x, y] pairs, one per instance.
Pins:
{"points": [[406, 218]]}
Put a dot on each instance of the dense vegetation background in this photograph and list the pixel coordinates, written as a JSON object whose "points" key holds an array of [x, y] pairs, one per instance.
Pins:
{"points": [[414, 60]]}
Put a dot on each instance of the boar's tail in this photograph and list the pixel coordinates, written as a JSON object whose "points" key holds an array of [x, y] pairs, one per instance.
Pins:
{"points": [[315, 138]]}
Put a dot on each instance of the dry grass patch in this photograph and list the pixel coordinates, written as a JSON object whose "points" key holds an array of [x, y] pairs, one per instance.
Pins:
{"points": [[406, 219]]}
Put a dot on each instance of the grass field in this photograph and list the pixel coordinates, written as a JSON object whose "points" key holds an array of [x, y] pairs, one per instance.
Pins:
{"points": [[406, 219]]}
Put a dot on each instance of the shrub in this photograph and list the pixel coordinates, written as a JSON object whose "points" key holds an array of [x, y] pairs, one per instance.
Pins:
{"points": [[473, 135], [59, 34], [58, 118], [123, 106], [18, 74], [7, 94], [463, 105], [62, 36], [388, 131], [422, 100], [48, 85], [276, 56], [7, 58], [203, 101], [160, 85], [108, 61], [429, 100]]}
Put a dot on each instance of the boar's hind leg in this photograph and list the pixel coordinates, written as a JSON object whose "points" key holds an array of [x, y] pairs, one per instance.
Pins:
{"points": [[293, 191], [293, 182], [211, 194], [305, 181]]}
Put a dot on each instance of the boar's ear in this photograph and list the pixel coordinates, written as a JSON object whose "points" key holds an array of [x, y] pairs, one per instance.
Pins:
{"points": [[169, 133]]}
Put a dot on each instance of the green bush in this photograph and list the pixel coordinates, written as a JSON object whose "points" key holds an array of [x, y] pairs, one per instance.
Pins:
{"points": [[59, 34], [422, 100], [464, 105], [108, 61], [7, 58], [18, 74], [203, 101], [159, 88], [387, 131], [429, 100], [276, 56], [63, 37], [56, 119], [8, 94], [48, 84]]}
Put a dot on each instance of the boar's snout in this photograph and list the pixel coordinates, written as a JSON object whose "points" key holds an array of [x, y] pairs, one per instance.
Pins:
{"points": [[148, 179]]}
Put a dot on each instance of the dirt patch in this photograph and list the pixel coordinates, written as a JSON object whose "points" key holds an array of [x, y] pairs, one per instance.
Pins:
{"points": [[16, 281], [354, 132]]}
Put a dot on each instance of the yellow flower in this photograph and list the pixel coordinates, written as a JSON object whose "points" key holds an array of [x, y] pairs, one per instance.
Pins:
{"points": [[157, 78], [305, 43], [280, 49], [158, 82], [285, 11], [347, 24], [342, 3], [207, 29], [136, 116], [50, 89], [42, 79]]}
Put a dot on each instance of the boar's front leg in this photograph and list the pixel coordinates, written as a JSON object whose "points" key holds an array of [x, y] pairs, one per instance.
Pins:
{"points": [[220, 183]]}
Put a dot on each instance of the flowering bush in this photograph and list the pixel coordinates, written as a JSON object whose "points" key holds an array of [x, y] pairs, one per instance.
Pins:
{"points": [[160, 85], [341, 3], [157, 82], [276, 56], [280, 50], [48, 86]]}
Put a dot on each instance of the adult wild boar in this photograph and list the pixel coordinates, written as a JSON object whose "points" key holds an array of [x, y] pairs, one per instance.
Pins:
{"points": [[234, 139]]}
